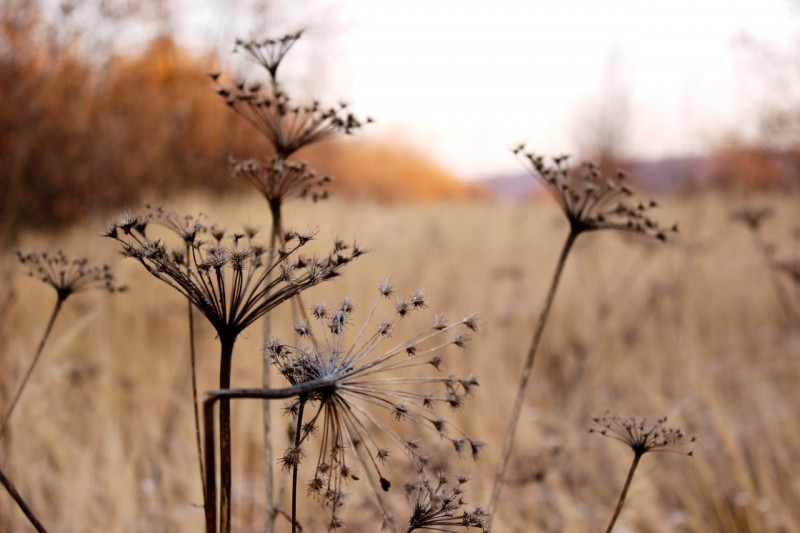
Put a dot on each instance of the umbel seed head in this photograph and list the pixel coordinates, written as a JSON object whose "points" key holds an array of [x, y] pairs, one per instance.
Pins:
{"points": [[591, 200], [69, 275], [368, 379], [642, 436]]}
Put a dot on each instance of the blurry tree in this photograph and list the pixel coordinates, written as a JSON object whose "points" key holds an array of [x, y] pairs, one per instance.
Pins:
{"points": [[771, 157], [92, 119], [742, 165], [601, 131]]}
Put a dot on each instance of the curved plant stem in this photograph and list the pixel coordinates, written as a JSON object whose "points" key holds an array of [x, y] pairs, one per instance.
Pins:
{"points": [[193, 360], [297, 463], [224, 396], [274, 242], [621, 502], [37, 355], [21, 503], [526, 372]]}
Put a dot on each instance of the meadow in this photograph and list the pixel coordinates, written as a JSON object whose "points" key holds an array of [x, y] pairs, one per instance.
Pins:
{"points": [[693, 329]]}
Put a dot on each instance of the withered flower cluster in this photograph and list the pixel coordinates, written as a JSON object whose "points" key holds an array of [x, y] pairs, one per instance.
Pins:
{"points": [[287, 126], [640, 436], [440, 503], [268, 52], [227, 276], [69, 276], [368, 380], [591, 200], [279, 179]]}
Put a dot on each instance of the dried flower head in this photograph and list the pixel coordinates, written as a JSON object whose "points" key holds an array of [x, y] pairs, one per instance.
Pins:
{"points": [[363, 378], [439, 503], [227, 276], [640, 436], [287, 126], [592, 201], [278, 179], [752, 217], [68, 276], [268, 52]]}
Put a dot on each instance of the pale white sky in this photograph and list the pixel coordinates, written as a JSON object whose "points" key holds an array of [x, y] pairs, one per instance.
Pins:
{"points": [[466, 80]]}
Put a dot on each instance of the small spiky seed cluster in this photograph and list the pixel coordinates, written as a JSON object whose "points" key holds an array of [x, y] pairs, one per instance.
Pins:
{"points": [[68, 276], [287, 126], [362, 377], [226, 275], [640, 436], [592, 201], [752, 217], [268, 52], [278, 179], [440, 503]]}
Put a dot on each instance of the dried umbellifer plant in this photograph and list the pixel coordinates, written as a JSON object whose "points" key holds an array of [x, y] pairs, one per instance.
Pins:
{"points": [[345, 385], [590, 201], [287, 128], [67, 277], [642, 438], [753, 218], [228, 279]]}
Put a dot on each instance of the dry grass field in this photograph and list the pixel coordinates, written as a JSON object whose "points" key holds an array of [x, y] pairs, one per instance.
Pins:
{"points": [[103, 438]]}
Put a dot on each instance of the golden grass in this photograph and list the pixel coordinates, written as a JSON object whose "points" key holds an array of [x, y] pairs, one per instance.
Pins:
{"points": [[103, 439]]}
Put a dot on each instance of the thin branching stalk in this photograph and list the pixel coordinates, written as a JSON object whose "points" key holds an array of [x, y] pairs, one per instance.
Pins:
{"points": [[641, 437], [21, 503], [297, 436], [780, 291], [195, 402], [269, 523], [526, 372], [590, 201], [621, 502], [36, 356], [224, 396]]}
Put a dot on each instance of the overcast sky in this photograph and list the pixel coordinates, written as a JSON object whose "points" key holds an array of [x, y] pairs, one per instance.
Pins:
{"points": [[466, 80]]}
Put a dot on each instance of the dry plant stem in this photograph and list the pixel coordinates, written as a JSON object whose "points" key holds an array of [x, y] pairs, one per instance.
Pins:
{"points": [[37, 355], [224, 396], [621, 502], [21, 503], [269, 522], [195, 404], [226, 483], [526, 372], [297, 434], [783, 298]]}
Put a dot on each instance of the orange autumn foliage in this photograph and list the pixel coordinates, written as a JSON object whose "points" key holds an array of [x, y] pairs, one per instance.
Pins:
{"points": [[77, 138]]}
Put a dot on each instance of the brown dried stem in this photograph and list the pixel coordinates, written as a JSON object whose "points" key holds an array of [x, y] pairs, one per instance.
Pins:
{"points": [[36, 356], [526, 372], [21, 503]]}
